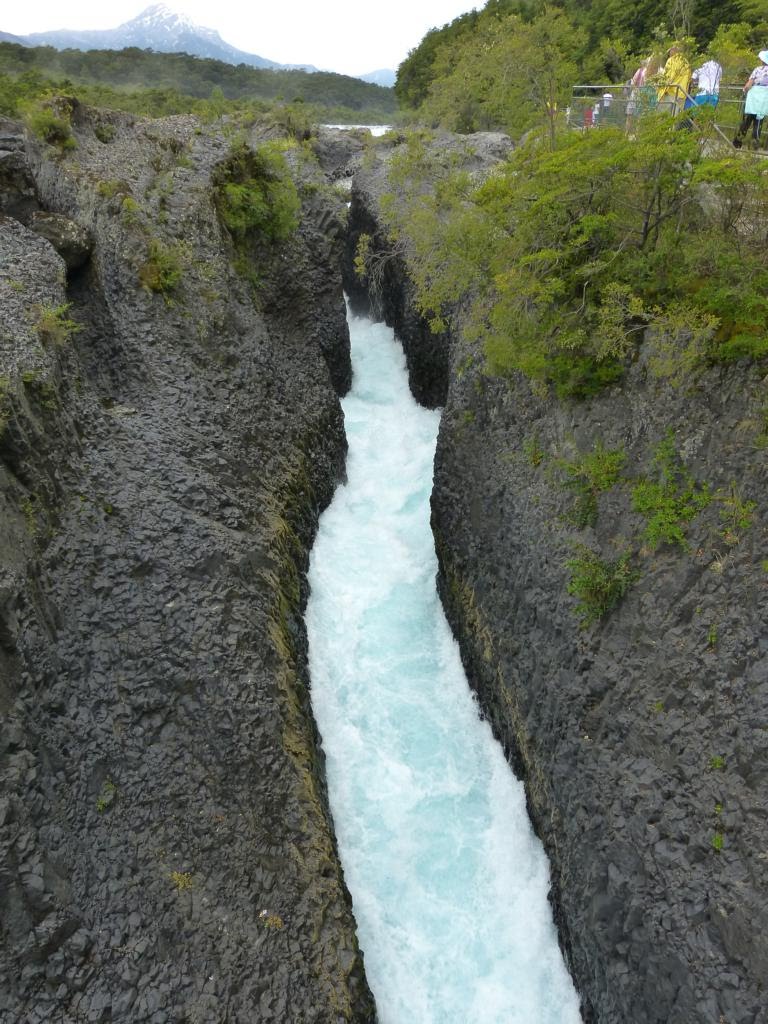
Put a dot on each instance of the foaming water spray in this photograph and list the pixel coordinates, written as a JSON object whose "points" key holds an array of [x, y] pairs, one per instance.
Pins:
{"points": [[448, 881]]}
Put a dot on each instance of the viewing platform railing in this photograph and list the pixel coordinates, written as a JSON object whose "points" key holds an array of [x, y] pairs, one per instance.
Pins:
{"points": [[618, 106]]}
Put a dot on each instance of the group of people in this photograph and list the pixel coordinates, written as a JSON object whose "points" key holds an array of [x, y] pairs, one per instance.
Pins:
{"points": [[676, 86], [671, 87]]}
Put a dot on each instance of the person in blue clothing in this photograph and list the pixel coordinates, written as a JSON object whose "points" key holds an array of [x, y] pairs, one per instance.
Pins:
{"points": [[756, 104]]}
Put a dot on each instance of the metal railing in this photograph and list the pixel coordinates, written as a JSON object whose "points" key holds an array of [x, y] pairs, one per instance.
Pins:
{"points": [[618, 106]]}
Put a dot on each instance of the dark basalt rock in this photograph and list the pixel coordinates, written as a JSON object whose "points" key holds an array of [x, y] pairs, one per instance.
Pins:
{"points": [[338, 150], [71, 241], [166, 851], [643, 738], [301, 288], [18, 195]]}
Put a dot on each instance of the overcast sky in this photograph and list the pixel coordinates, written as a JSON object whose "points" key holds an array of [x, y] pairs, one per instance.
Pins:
{"points": [[349, 36]]}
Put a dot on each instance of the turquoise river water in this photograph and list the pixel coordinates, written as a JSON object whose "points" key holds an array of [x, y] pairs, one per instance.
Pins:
{"points": [[448, 881]]}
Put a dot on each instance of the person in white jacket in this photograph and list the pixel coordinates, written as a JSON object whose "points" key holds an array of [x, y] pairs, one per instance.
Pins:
{"points": [[706, 83]]}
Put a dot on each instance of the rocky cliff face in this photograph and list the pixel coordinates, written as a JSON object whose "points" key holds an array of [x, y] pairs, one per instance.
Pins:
{"points": [[166, 852], [643, 739]]}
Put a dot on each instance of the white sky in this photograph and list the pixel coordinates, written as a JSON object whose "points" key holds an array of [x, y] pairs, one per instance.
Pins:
{"points": [[348, 36]]}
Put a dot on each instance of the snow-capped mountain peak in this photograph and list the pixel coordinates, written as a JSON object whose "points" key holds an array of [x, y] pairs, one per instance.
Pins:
{"points": [[161, 16], [158, 28], [164, 30]]}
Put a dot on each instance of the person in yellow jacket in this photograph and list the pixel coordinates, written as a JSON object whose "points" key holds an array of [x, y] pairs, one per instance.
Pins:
{"points": [[673, 81]]}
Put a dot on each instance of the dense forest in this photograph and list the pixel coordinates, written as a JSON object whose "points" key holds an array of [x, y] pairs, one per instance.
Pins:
{"points": [[180, 83], [498, 67]]}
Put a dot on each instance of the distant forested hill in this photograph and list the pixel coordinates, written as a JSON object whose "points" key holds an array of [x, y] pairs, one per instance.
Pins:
{"points": [[123, 71]]}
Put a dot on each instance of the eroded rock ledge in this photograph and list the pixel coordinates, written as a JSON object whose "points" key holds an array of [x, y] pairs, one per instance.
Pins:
{"points": [[166, 852], [644, 738]]}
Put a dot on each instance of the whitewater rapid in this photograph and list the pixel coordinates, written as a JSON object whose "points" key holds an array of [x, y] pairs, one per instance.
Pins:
{"points": [[448, 881]]}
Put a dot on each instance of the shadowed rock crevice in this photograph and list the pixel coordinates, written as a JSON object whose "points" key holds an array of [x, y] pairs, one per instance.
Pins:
{"points": [[393, 301]]}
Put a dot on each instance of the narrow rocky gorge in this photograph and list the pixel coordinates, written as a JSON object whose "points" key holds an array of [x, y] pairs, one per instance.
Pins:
{"points": [[166, 445], [643, 739], [169, 432]]}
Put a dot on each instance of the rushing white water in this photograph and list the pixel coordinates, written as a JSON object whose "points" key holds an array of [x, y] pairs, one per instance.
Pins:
{"points": [[448, 882], [375, 129]]}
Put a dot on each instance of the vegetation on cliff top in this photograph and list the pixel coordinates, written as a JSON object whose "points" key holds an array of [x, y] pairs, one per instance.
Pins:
{"points": [[565, 260], [255, 195]]}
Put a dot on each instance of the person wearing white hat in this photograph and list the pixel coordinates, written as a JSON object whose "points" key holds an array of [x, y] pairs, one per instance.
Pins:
{"points": [[756, 104]]}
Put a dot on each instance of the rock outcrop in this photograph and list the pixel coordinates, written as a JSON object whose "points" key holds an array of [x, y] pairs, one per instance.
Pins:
{"points": [[339, 151], [18, 195], [643, 740], [166, 851], [68, 238]]}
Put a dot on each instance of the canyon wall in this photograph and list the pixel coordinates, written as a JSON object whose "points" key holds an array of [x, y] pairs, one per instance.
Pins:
{"points": [[170, 432], [642, 738]]}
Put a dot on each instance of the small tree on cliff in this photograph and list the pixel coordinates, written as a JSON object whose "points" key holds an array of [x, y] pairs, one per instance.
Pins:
{"points": [[510, 74]]}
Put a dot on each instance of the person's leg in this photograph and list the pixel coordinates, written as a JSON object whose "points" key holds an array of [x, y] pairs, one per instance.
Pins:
{"points": [[746, 121]]}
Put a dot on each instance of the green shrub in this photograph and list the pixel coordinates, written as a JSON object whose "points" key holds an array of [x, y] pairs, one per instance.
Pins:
{"points": [[565, 261], [28, 507], [296, 118], [736, 514], [17, 91], [105, 132], [54, 324], [272, 921], [598, 585], [49, 120], [363, 254], [532, 450], [111, 187], [581, 376], [106, 797], [671, 501], [43, 391], [255, 196], [587, 477], [130, 211], [162, 270]]}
